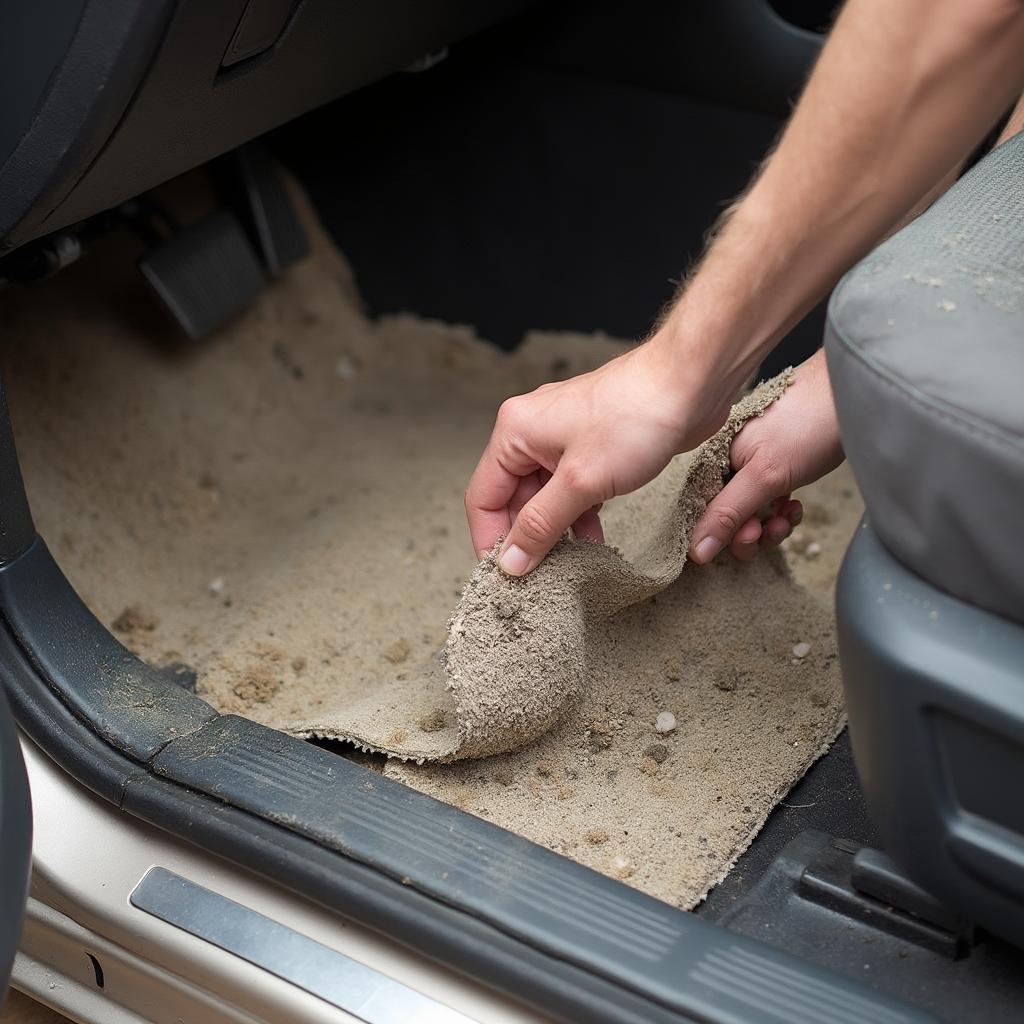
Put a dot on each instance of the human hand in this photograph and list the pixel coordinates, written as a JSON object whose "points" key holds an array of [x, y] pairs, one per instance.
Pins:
{"points": [[557, 453], [793, 443]]}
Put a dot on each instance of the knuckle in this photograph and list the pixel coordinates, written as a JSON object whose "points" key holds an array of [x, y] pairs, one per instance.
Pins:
{"points": [[727, 518], [577, 477], [772, 473], [534, 525], [510, 412]]}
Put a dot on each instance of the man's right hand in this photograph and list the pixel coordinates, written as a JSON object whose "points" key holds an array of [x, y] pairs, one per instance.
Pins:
{"points": [[557, 453]]}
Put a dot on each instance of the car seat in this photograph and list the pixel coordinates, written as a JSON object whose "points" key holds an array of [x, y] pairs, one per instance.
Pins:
{"points": [[925, 347]]}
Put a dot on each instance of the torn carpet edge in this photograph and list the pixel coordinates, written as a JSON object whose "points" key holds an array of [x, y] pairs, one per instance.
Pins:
{"points": [[515, 655]]}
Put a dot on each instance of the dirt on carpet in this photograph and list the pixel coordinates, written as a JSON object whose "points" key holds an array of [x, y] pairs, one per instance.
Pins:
{"points": [[280, 508]]}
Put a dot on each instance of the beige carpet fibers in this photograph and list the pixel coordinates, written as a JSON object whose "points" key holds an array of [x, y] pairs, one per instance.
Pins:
{"points": [[281, 509]]}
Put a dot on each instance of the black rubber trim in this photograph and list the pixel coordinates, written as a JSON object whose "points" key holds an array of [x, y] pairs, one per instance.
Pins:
{"points": [[355, 891], [17, 531], [15, 842], [130, 704]]}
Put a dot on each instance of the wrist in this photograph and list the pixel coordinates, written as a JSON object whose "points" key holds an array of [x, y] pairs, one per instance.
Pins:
{"points": [[701, 357], [694, 396]]}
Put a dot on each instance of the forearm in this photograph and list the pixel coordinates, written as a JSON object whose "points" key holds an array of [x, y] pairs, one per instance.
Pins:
{"points": [[901, 93], [1014, 124]]}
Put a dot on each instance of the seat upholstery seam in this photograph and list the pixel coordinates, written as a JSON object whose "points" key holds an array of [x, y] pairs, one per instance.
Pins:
{"points": [[991, 435]]}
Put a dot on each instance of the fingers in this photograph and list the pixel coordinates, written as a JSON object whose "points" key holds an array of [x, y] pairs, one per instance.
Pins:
{"points": [[735, 516], [487, 496], [715, 529], [560, 504], [794, 512], [589, 525], [497, 490], [731, 509], [744, 542], [775, 530], [528, 487]]}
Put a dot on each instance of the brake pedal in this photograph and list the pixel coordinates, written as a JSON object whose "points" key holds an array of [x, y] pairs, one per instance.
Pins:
{"points": [[251, 184], [204, 274]]}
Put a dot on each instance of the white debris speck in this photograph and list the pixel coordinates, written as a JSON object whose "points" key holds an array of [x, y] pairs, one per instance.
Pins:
{"points": [[622, 867], [946, 306], [933, 615], [813, 550], [891, 322], [665, 722], [802, 649], [345, 368], [216, 585], [887, 586]]}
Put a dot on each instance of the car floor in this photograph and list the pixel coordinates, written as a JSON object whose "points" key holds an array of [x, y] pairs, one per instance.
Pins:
{"points": [[513, 197], [514, 233], [540, 199]]}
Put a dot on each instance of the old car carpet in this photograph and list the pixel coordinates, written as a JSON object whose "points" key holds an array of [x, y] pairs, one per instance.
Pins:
{"points": [[279, 511], [516, 653]]}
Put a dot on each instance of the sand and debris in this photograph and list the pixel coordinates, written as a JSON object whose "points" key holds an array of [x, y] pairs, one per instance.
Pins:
{"points": [[519, 652], [279, 510]]}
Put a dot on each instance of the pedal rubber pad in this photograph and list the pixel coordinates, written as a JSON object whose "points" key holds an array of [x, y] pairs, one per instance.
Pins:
{"points": [[205, 274], [265, 209]]}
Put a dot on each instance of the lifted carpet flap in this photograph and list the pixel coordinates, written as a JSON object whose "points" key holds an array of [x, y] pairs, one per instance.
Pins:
{"points": [[516, 653]]}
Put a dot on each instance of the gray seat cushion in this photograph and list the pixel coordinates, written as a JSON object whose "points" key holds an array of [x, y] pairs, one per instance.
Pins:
{"points": [[925, 346]]}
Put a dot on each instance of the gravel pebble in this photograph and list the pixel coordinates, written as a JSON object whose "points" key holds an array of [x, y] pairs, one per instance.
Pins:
{"points": [[665, 722], [622, 867]]}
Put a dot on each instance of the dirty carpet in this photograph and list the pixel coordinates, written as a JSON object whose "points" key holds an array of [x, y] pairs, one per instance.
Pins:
{"points": [[279, 510]]}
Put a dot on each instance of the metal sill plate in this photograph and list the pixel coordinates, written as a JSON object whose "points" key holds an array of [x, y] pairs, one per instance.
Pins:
{"points": [[337, 979]]}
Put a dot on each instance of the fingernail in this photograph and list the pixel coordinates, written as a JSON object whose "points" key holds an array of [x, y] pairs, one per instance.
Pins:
{"points": [[514, 560], [797, 517], [706, 550]]}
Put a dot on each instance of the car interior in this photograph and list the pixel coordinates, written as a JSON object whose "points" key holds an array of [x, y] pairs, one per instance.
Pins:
{"points": [[889, 884]]}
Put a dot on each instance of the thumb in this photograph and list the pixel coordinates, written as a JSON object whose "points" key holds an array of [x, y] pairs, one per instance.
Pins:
{"points": [[741, 498], [541, 523]]}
